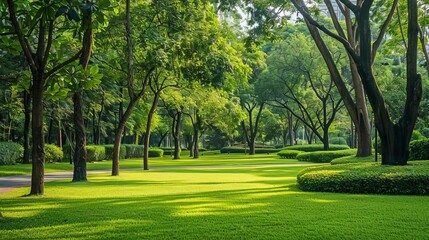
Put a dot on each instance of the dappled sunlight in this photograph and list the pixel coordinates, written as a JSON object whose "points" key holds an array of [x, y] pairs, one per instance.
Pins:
{"points": [[213, 208], [319, 200]]}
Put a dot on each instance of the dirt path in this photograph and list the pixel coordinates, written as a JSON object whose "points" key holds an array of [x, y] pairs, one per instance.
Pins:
{"points": [[10, 183]]}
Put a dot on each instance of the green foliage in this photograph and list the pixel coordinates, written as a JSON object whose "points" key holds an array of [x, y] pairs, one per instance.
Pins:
{"points": [[417, 136], [315, 147], [10, 153], [324, 156], [156, 152], [289, 154], [53, 153], [419, 150], [96, 153], [367, 178], [109, 151], [134, 151], [353, 159], [424, 132], [246, 150], [337, 140]]}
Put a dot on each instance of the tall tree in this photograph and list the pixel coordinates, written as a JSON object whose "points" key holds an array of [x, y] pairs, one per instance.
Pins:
{"points": [[395, 136]]}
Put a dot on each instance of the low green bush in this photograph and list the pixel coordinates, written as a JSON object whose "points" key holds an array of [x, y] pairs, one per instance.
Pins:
{"points": [[419, 150], [367, 178], [354, 159], [10, 153], [424, 132], [134, 151], [289, 154], [315, 147], [324, 156], [417, 136], [109, 151], [95, 153], [246, 150], [337, 140], [53, 153], [156, 152]]}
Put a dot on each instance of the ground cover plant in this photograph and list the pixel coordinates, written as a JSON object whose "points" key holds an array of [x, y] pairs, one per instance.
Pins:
{"points": [[233, 202]]}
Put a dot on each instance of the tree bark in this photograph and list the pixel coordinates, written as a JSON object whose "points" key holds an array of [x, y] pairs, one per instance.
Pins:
{"points": [[80, 154], [148, 126], [27, 122], [176, 133]]}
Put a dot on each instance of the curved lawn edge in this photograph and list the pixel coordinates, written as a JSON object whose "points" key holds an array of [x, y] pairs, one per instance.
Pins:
{"points": [[369, 178]]}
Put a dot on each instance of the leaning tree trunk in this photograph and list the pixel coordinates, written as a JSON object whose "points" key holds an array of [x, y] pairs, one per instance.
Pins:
{"points": [[176, 134], [195, 143], [80, 154], [147, 134], [38, 157]]}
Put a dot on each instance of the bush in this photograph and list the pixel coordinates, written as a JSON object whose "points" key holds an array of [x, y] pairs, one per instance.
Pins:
{"points": [[53, 153], [337, 140], [289, 154], [109, 151], [424, 132], [417, 136], [168, 150], [134, 151], [354, 159], [156, 152], [10, 153], [246, 150], [95, 153], [324, 156], [419, 150], [367, 178], [315, 147]]}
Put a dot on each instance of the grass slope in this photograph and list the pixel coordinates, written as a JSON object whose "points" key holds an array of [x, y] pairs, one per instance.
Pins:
{"points": [[216, 203]]}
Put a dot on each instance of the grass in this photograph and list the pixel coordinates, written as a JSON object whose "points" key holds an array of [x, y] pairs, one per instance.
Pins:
{"points": [[200, 203], [205, 160]]}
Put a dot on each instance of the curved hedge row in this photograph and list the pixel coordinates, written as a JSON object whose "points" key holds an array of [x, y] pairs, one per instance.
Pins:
{"points": [[315, 147], [367, 178], [354, 159], [324, 156], [289, 154], [246, 150], [419, 150]]}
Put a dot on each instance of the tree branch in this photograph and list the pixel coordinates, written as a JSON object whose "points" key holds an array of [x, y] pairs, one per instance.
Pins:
{"points": [[383, 29], [63, 64]]}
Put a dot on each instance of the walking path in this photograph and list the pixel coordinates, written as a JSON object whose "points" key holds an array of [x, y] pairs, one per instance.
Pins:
{"points": [[10, 183]]}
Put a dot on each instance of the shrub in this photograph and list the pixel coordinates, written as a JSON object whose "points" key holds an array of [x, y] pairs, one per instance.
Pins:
{"points": [[168, 150], [246, 150], [354, 159], [289, 154], [367, 178], [10, 153], [156, 152], [95, 153], [53, 153], [416, 136], [315, 147], [109, 151], [425, 132], [337, 140], [134, 151], [419, 150], [324, 156]]}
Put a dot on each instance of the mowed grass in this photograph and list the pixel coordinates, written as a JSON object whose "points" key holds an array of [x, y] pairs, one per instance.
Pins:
{"points": [[200, 203], [204, 160]]}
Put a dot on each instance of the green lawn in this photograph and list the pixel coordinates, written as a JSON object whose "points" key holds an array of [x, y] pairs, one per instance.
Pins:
{"points": [[200, 203], [217, 159]]}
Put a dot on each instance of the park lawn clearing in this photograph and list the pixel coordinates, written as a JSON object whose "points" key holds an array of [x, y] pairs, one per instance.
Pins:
{"points": [[205, 160], [207, 203]]}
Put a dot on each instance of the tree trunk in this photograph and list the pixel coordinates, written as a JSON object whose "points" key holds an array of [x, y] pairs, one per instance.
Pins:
{"points": [[38, 153], [195, 143], [325, 139], [163, 135], [251, 144], [147, 135], [80, 154], [176, 134], [27, 118], [60, 135]]}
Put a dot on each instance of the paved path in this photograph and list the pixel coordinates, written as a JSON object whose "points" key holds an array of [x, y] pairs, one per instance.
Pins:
{"points": [[10, 183]]}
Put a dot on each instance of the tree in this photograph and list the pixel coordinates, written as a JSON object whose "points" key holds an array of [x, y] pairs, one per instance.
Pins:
{"points": [[395, 136]]}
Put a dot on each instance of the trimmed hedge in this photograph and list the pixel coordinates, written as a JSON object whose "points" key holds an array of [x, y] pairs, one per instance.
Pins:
{"points": [[354, 159], [246, 150], [109, 151], [156, 152], [289, 154], [419, 150], [367, 178], [337, 140], [53, 153], [324, 156], [315, 147], [134, 151], [95, 153], [10, 153]]}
